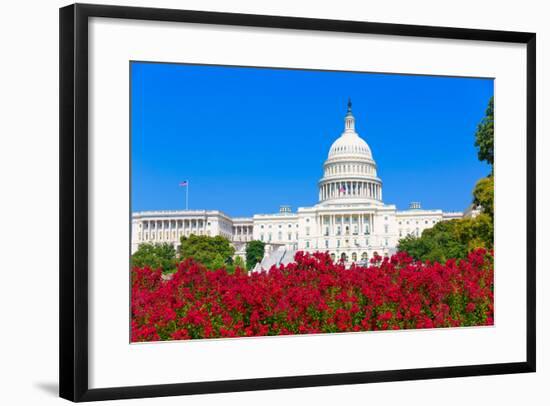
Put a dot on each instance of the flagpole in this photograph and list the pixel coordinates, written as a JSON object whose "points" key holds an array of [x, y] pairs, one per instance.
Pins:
{"points": [[187, 196]]}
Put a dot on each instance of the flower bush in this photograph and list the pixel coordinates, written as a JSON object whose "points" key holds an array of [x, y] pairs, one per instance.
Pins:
{"points": [[312, 295]]}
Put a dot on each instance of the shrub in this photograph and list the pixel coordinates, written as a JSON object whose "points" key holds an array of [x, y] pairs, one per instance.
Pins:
{"points": [[312, 295]]}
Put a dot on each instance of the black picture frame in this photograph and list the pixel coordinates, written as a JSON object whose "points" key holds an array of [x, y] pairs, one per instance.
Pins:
{"points": [[73, 281]]}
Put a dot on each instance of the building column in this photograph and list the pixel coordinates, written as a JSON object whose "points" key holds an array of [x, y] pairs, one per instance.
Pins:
{"points": [[371, 226]]}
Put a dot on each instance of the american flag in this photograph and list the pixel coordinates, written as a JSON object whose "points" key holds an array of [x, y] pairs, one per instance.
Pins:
{"points": [[342, 189], [184, 183]]}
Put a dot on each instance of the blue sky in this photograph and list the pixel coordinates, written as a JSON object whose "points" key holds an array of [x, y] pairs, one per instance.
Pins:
{"points": [[251, 139]]}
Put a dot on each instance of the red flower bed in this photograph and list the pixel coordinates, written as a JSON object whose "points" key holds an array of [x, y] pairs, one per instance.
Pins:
{"points": [[312, 295]]}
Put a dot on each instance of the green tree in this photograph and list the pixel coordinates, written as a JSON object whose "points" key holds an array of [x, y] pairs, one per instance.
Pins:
{"points": [[155, 256], [254, 253], [485, 135], [438, 243], [239, 263], [212, 252], [450, 239], [484, 195]]}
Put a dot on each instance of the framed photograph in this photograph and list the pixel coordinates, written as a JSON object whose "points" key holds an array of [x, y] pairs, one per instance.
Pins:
{"points": [[257, 202]]}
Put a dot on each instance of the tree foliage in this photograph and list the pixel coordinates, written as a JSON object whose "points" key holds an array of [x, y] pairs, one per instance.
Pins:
{"points": [[484, 195], [485, 135], [450, 239], [239, 263], [213, 252], [254, 253], [155, 256]]}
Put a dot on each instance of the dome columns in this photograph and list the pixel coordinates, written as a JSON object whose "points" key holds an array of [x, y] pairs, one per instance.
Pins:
{"points": [[352, 189]]}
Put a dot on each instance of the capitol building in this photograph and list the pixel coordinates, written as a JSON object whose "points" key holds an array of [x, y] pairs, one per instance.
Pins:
{"points": [[350, 221]]}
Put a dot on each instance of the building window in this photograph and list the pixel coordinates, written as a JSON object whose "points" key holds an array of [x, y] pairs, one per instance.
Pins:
{"points": [[400, 233], [338, 243], [417, 231], [307, 244], [307, 230], [280, 235], [262, 226], [269, 237], [386, 228], [289, 236], [261, 237], [386, 242], [326, 243], [364, 256], [354, 256]]}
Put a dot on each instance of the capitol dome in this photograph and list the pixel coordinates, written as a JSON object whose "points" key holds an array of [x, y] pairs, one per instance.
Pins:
{"points": [[349, 142], [350, 173]]}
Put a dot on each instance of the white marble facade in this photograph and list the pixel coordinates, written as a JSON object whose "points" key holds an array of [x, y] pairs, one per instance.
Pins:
{"points": [[350, 221]]}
